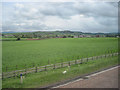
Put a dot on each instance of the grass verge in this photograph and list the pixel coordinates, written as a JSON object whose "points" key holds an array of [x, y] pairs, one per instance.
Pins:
{"points": [[37, 80]]}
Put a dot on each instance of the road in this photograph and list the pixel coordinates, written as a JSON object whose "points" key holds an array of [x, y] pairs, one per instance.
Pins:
{"points": [[104, 79]]}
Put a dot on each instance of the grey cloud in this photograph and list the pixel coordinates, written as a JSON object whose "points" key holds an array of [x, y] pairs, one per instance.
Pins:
{"points": [[65, 10], [104, 14], [62, 10], [34, 27], [16, 26], [98, 9], [108, 21], [88, 9]]}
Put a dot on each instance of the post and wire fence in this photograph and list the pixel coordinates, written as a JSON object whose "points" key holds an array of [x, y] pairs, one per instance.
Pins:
{"points": [[35, 69]]}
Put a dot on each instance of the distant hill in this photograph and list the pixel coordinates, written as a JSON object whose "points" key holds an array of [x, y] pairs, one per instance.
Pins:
{"points": [[56, 34]]}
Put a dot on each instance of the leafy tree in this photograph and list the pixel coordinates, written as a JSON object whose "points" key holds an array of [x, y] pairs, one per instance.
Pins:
{"points": [[64, 36], [18, 36]]}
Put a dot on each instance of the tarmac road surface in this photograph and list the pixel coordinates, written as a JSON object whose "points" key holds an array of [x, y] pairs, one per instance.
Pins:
{"points": [[104, 79]]}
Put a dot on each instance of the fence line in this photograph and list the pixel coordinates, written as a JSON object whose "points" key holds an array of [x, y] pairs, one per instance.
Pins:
{"points": [[52, 66]]}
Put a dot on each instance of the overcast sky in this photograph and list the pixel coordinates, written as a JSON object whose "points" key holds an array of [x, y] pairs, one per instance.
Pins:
{"points": [[52, 16]]}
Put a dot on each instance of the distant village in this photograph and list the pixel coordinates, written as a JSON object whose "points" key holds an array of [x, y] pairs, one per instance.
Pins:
{"points": [[57, 34]]}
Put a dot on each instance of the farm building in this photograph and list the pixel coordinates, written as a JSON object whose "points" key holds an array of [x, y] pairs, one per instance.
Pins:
{"points": [[117, 36], [76, 36], [81, 36], [88, 36]]}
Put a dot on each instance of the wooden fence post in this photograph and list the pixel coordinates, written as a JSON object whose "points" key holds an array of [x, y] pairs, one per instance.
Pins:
{"points": [[62, 64], [14, 74], [108, 53], [16, 67], [69, 63], [25, 69], [2, 75], [87, 58], [81, 61], [54, 66], [75, 61], [105, 55], [36, 69], [92, 57], [45, 67], [97, 57], [112, 54]]}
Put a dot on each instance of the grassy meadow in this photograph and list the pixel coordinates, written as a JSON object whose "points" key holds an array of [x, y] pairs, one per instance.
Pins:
{"points": [[38, 52], [12, 39]]}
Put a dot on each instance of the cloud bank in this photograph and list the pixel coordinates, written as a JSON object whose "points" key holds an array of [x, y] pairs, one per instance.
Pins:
{"points": [[51, 16]]}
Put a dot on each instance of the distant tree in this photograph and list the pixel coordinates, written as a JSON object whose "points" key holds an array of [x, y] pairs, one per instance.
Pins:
{"points": [[69, 36], [18, 36], [72, 36], [97, 35], [64, 36], [35, 36], [3, 35], [56, 36], [31, 36], [39, 36]]}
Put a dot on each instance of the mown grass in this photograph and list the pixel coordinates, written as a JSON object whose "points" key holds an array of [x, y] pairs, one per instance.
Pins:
{"points": [[55, 50], [44, 78]]}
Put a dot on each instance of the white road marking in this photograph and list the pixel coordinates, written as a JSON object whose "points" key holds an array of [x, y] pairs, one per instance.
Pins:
{"points": [[87, 76], [103, 71]]}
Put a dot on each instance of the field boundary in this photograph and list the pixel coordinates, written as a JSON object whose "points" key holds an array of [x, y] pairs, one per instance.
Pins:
{"points": [[36, 69]]}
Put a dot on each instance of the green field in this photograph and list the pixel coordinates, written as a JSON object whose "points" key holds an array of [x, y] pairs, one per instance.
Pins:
{"points": [[55, 50], [12, 39]]}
